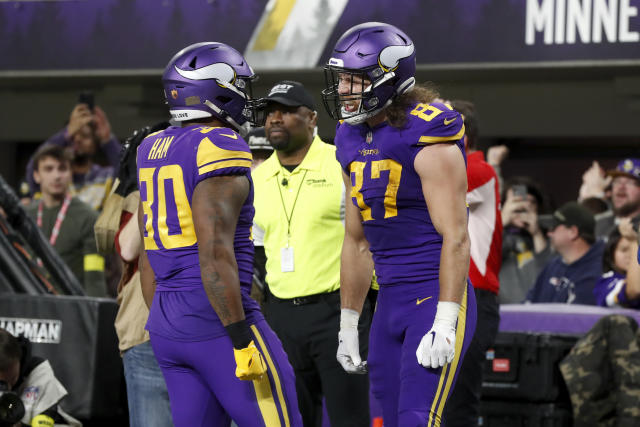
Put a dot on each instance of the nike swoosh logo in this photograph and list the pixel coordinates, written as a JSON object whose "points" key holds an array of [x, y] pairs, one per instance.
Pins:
{"points": [[448, 122], [232, 136], [420, 301]]}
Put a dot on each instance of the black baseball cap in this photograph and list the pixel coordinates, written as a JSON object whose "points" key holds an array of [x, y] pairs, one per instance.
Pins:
{"points": [[573, 213], [291, 94]]}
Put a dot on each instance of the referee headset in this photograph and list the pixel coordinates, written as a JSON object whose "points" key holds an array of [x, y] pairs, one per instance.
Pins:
{"points": [[285, 181]]}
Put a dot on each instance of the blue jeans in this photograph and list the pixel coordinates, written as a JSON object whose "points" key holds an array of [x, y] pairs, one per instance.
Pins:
{"points": [[146, 390]]}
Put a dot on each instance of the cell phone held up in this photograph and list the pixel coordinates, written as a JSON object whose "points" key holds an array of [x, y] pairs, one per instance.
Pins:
{"points": [[520, 191], [87, 98]]}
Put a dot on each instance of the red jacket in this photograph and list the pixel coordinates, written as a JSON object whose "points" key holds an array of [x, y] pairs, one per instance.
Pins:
{"points": [[485, 223]]}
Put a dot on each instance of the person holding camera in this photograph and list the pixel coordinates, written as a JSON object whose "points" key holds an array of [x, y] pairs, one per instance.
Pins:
{"points": [[87, 132], [32, 381], [525, 250]]}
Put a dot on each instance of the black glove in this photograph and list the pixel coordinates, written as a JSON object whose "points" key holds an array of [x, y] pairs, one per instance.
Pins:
{"points": [[128, 176]]}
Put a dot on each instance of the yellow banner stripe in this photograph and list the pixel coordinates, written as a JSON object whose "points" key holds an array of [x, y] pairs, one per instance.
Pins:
{"points": [[224, 164], [273, 25], [434, 139], [276, 378], [93, 262]]}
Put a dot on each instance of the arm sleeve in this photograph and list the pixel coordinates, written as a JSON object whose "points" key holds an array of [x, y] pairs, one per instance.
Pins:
{"points": [[435, 123], [60, 139], [221, 154]]}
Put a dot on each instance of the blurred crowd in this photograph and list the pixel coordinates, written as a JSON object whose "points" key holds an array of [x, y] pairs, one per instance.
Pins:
{"points": [[597, 229]]}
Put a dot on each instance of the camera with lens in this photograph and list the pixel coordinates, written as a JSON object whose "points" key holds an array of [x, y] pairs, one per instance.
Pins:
{"points": [[11, 407]]}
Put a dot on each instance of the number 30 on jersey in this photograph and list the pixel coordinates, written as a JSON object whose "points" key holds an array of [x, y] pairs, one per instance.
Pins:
{"points": [[156, 212]]}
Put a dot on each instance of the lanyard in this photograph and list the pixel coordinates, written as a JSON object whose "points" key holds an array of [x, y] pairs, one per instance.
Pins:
{"points": [[61, 214], [294, 205]]}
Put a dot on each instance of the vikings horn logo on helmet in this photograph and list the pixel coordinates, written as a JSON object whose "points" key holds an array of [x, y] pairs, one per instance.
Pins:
{"points": [[219, 71], [390, 56]]}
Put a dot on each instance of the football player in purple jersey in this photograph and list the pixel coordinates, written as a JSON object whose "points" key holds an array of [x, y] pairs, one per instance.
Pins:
{"points": [[220, 359], [405, 169]]}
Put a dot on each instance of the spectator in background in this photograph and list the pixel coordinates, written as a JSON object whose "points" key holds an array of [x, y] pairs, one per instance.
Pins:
{"points": [[261, 150], [625, 196], [571, 275], [147, 395], [485, 234], [611, 288], [629, 230], [87, 131], [65, 220], [117, 228], [33, 380], [525, 249]]}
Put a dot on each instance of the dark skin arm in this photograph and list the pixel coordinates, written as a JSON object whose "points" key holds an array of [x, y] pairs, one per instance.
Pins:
{"points": [[147, 276], [216, 206]]}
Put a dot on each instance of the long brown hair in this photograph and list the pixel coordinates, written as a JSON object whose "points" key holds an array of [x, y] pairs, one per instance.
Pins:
{"points": [[421, 93]]}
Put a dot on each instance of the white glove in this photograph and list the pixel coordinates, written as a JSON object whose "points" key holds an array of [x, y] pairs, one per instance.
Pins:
{"points": [[438, 346], [348, 354]]}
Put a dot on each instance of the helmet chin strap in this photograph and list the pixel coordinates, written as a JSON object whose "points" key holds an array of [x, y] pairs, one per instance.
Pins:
{"points": [[242, 129]]}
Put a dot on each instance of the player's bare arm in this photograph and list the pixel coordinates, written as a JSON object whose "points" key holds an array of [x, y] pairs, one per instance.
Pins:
{"points": [[356, 271], [216, 206], [444, 184], [356, 264], [147, 276]]}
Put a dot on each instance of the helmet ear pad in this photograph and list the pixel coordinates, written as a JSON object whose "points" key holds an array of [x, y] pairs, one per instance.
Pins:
{"points": [[208, 80]]}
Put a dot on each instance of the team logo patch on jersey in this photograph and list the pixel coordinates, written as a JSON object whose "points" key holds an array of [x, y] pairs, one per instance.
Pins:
{"points": [[174, 94], [369, 138]]}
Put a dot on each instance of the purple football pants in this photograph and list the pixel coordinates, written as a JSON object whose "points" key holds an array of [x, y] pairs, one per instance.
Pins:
{"points": [[204, 390], [410, 394]]}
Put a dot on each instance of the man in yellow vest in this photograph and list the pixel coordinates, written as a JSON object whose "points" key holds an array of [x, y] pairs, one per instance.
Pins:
{"points": [[299, 202]]}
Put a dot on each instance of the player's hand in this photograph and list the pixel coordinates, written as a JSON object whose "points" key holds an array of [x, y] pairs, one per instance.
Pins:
{"points": [[249, 363], [348, 354], [438, 346]]}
